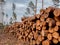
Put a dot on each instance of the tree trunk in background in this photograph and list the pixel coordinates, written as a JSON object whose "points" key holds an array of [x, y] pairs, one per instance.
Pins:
{"points": [[1, 11], [42, 4], [14, 14], [36, 7]]}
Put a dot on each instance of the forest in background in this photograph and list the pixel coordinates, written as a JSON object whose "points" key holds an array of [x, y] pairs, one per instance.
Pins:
{"points": [[30, 10]]}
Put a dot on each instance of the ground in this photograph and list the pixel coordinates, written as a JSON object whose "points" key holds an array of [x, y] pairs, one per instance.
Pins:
{"points": [[7, 39]]}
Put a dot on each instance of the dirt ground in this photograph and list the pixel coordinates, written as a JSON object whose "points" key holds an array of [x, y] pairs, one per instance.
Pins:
{"points": [[7, 39]]}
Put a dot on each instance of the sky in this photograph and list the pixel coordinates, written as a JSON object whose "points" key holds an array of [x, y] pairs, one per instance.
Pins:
{"points": [[21, 6]]}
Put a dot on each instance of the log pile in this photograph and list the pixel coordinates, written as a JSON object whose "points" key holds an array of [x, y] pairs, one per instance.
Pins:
{"points": [[43, 28]]}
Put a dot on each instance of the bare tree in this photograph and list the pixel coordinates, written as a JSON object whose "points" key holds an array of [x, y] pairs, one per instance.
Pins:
{"points": [[11, 19], [13, 7], [42, 4], [14, 14], [35, 7], [2, 10], [7, 18], [56, 2], [31, 9]]}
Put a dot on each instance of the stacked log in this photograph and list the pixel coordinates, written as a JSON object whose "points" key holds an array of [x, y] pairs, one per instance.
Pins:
{"points": [[43, 28]]}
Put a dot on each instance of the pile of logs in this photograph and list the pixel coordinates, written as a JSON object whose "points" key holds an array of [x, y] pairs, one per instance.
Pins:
{"points": [[43, 28]]}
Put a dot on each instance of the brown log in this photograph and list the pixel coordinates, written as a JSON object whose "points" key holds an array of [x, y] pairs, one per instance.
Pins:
{"points": [[59, 39], [48, 20], [23, 18], [43, 32], [51, 30], [31, 33], [49, 36], [35, 35], [42, 11], [46, 15], [41, 24], [46, 42], [19, 37], [33, 42], [57, 18], [44, 23], [56, 28], [42, 18], [30, 23], [40, 38], [55, 41], [37, 42], [37, 22], [58, 23], [24, 38], [27, 39], [49, 9], [26, 34], [46, 32], [21, 30], [38, 28], [34, 26], [29, 36], [57, 12], [52, 23], [55, 35], [28, 31], [38, 25], [38, 16], [26, 20], [44, 28]]}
